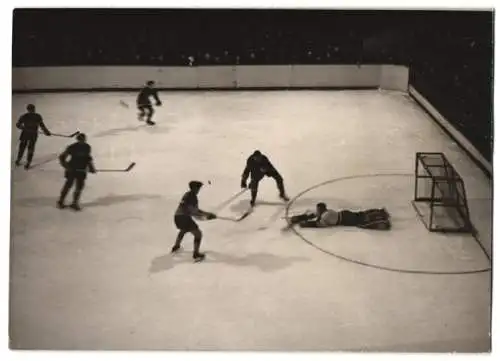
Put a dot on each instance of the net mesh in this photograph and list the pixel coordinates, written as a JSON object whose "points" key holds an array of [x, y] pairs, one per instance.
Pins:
{"points": [[440, 186]]}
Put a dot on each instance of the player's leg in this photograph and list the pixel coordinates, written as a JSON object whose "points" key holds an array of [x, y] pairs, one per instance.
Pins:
{"points": [[380, 224], [374, 219], [349, 218], [142, 112], [197, 255], [31, 151], [22, 148], [150, 113], [254, 187], [178, 241], [378, 214], [182, 224], [70, 179], [80, 184], [279, 183]]}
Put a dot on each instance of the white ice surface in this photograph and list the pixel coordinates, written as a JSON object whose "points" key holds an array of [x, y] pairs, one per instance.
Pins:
{"points": [[104, 278]]}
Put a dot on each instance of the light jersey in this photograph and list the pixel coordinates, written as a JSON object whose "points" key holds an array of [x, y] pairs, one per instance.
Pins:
{"points": [[329, 218]]}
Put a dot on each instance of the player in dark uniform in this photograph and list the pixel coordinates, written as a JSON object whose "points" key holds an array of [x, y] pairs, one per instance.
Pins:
{"points": [[376, 218], [144, 103], [258, 166], [29, 124], [76, 169], [187, 209]]}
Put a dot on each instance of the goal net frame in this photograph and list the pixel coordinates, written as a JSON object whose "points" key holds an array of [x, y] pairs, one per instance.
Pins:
{"points": [[440, 198]]}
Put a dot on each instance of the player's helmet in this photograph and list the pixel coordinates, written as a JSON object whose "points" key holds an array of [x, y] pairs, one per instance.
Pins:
{"points": [[81, 137], [321, 206], [193, 185], [30, 108], [150, 83]]}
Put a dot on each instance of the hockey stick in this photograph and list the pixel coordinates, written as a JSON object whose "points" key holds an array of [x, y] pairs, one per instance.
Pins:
{"points": [[128, 169], [227, 219], [242, 217], [226, 202], [63, 135], [124, 104]]}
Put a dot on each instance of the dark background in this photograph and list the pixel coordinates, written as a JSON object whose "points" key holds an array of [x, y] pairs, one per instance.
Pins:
{"points": [[450, 53]]}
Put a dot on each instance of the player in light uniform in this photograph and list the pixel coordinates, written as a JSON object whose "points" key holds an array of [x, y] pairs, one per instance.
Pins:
{"points": [[377, 218]]}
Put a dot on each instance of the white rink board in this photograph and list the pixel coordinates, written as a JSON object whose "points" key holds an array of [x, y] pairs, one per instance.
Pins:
{"points": [[393, 77], [227, 77], [216, 77], [263, 76], [342, 76]]}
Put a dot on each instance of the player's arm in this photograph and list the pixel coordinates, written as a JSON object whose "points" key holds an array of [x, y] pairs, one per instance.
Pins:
{"points": [[156, 97], [20, 122], [314, 221], [64, 156], [268, 165], [90, 164], [246, 173], [198, 213], [44, 127]]}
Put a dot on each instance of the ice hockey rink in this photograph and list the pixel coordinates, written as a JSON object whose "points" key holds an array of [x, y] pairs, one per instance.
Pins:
{"points": [[104, 278]]}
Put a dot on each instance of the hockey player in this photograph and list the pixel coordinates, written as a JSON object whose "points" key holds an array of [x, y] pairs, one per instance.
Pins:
{"points": [[29, 124], [76, 170], [258, 166], [324, 217], [187, 209], [144, 102]]}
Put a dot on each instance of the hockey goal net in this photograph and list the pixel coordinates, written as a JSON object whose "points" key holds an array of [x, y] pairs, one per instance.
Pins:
{"points": [[440, 198]]}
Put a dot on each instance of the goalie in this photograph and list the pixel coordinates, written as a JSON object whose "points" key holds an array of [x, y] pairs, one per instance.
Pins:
{"points": [[324, 217]]}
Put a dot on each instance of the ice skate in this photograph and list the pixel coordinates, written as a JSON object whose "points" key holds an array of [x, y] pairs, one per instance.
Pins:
{"points": [[198, 257], [75, 206]]}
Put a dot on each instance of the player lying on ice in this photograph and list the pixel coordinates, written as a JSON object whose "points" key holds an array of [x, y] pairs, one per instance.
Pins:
{"points": [[324, 217]]}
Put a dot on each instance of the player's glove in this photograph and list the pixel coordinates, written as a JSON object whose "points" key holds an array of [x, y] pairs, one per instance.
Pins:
{"points": [[158, 103], [211, 216], [48, 134], [243, 184]]}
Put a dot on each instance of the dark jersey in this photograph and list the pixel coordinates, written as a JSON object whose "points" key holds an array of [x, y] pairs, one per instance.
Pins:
{"points": [[80, 154], [257, 166], [145, 94], [30, 122], [188, 205]]}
